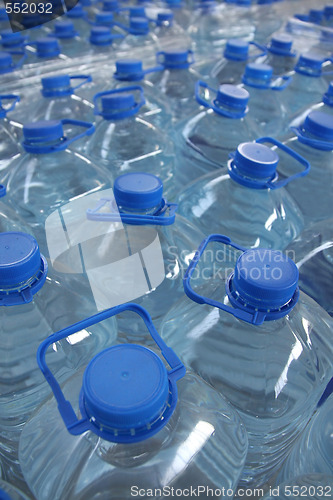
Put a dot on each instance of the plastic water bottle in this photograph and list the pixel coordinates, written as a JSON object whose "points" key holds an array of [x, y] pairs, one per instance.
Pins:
{"points": [[230, 67], [325, 105], [79, 18], [142, 243], [169, 33], [72, 45], [124, 144], [266, 346], [214, 24], [9, 492], [102, 43], [176, 81], [9, 219], [149, 427], [12, 40], [32, 307], [58, 101], [46, 162], [139, 38], [313, 139], [308, 83], [106, 18], [314, 450], [312, 251], [10, 62], [267, 109], [156, 109], [8, 138], [206, 140], [281, 56], [310, 486], [182, 15], [46, 50], [247, 201]]}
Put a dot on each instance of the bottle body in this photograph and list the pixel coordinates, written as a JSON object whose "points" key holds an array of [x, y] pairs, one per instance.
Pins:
{"points": [[267, 372], [95, 467], [252, 217]]}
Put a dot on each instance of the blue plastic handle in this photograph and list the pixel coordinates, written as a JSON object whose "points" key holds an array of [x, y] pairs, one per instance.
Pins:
{"points": [[254, 317], [85, 78], [124, 113], [73, 424], [309, 141], [212, 104], [13, 97], [262, 50], [278, 184], [159, 218]]}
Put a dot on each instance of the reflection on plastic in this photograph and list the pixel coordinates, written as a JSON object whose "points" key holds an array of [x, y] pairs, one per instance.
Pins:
{"points": [[120, 262]]}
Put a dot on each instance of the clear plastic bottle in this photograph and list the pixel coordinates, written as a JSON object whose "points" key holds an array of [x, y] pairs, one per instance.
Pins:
{"points": [[72, 45], [47, 162], [206, 139], [58, 100], [125, 143], [141, 433], [8, 137], [281, 56], [267, 109], [312, 251], [231, 66], [251, 333], [176, 81], [246, 201], [313, 139], [169, 34], [139, 40], [32, 306], [313, 451], [132, 242]]}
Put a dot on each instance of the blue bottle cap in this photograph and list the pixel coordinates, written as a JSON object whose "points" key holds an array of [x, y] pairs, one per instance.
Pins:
{"points": [[100, 35], [139, 26], [320, 125], [76, 12], [173, 3], [3, 15], [43, 131], [258, 72], [128, 69], [236, 50], [4, 495], [47, 47], [104, 18], [117, 102], [125, 387], [176, 59], [110, 5], [6, 62], [264, 278], [164, 17], [255, 161], [20, 259], [55, 85], [137, 12], [11, 39], [316, 15], [281, 44], [328, 11], [232, 97], [138, 190], [32, 21], [309, 64], [328, 96], [64, 29]]}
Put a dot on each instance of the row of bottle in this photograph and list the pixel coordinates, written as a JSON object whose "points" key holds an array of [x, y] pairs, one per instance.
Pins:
{"points": [[124, 387], [105, 33]]}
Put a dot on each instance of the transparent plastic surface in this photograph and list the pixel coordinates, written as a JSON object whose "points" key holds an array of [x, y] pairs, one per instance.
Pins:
{"points": [[202, 431], [273, 374], [251, 217]]}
